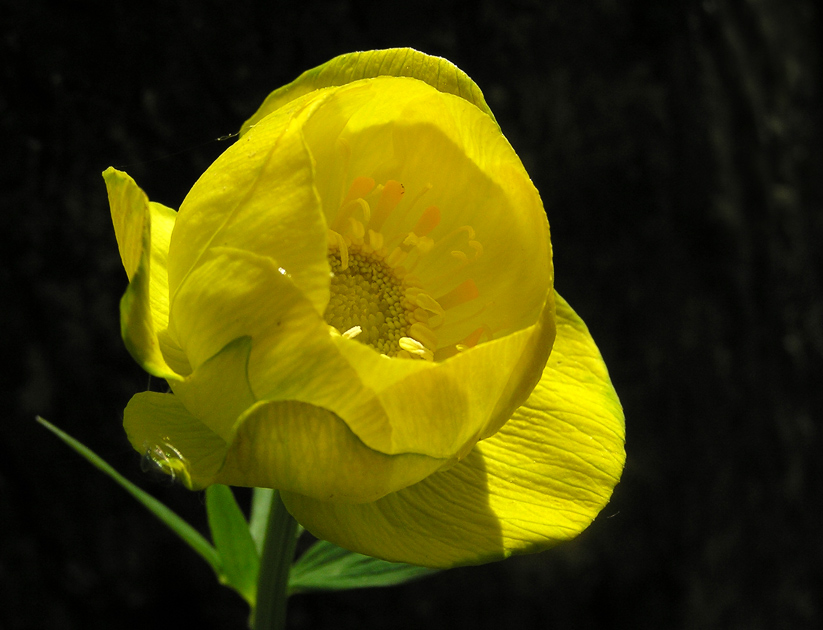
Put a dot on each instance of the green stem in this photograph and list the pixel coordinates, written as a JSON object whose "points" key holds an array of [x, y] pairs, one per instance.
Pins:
{"points": [[275, 564]]}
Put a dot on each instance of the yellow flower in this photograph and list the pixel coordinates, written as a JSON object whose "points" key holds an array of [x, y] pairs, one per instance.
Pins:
{"points": [[355, 305]]}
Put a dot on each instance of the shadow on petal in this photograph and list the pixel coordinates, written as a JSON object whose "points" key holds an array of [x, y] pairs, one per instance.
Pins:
{"points": [[443, 521]]}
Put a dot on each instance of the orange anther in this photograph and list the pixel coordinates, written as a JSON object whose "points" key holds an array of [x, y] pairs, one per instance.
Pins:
{"points": [[429, 220], [389, 198], [360, 187], [473, 338], [461, 294]]}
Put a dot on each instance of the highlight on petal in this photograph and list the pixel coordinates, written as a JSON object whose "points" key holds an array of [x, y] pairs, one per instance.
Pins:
{"points": [[143, 231], [396, 62], [538, 481]]}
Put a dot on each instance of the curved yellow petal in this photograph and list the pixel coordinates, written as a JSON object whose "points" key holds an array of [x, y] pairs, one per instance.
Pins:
{"points": [[441, 409], [398, 62], [394, 406], [540, 480], [259, 195], [218, 392], [143, 231], [162, 429], [298, 447]]}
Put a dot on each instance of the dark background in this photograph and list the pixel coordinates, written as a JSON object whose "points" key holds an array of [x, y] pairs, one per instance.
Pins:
{"points": [[677, 147]]}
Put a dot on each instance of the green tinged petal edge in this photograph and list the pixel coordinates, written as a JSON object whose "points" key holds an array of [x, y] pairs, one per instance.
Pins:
{"points": [[144, 306], [440, 73]]}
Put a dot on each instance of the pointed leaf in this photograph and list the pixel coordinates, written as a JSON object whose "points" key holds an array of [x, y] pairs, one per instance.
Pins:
{"points": [[328, 567], [234, 543], [180, 527]]}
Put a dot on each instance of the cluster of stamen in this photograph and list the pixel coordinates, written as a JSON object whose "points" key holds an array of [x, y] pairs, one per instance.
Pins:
{"points": [[375, 298], [367, 296]]}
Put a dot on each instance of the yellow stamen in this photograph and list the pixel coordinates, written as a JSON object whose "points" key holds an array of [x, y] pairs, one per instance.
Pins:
{"points": [[423, 334], [357, 230], [337, 241], [352, 332], [427, 302], [375, 240], [346, 213], [412, 346], [396, 257], [366, 302]]}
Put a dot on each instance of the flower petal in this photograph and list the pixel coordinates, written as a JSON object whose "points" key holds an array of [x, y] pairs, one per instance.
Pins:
{"points": [[233, 293], [404, 130], [259, 195], [441, 409], [143, 231], [397, 62], [160, 427], [218, 392], [540, 480], [298, 447]]}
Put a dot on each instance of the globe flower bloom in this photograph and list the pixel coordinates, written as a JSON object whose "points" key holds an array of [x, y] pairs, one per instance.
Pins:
{"points": [[354, 305]]}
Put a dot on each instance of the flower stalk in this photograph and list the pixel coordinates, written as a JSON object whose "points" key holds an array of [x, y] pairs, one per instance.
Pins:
{"points": [[273, 582]]}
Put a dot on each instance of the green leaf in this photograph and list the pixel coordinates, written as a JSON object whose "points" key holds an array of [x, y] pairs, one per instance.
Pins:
{"points": [[180, 527], [234, 542], [440, 73], [331, 568], [261, 499]]}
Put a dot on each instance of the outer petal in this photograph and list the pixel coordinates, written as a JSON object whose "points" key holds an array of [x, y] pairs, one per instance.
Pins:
{"points": [[397, 62], [442, 409], [540, 480], [218, 392], [159, 426], [259, 196], [143, 230], [212, 431], [298, 447], [293, 358], [235, 294], [188, 433]]}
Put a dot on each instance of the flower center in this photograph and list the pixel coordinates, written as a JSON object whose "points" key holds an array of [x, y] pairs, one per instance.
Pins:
{"points": [[367, 301], [375, 298]]}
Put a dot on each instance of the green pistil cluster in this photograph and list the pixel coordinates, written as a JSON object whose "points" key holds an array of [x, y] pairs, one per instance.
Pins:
{"points": [[367, 294]]}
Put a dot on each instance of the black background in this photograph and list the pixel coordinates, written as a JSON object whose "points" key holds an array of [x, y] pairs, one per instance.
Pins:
{"points": [[677, 148]]}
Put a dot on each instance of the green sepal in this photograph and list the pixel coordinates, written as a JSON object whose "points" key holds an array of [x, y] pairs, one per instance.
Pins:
{"points": [[186, 532], [233, 541], [440, 73], [327, 567]]}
